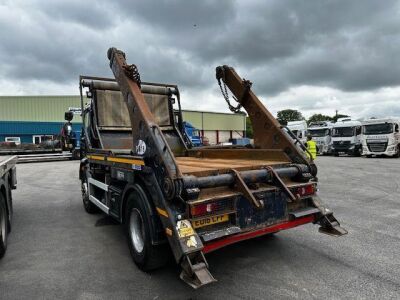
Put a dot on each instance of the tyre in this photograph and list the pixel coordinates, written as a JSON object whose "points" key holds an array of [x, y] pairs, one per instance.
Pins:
{"points": [[3, 226], [90, 208], [398, 152], [368, 156], [76, 154], [137, 225], [336, 154], [10, 209], [358, 152]]}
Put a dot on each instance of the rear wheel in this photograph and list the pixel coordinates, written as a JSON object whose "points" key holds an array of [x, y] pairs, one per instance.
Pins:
{"points": [[3, 226], [137, 225]]}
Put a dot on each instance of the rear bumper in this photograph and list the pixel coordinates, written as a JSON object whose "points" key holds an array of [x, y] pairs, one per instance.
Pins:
{"points": [[215, 245]]}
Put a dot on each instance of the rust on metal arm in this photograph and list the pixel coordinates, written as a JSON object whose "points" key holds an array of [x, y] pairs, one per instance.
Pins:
{"points": [[148, 139], [268, 133]]}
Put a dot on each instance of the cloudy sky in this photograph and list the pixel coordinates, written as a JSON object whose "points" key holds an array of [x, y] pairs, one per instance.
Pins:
{"points": [[314, 56]]}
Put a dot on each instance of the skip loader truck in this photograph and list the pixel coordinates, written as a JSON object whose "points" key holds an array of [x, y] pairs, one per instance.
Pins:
{"points": [[137, 166]]}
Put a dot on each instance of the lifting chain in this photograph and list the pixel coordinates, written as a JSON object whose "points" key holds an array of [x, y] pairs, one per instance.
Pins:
{"points": [[224, 91], [133, 73]]}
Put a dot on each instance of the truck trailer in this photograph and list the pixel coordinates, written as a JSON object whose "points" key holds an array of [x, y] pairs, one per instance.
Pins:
{"points": [[139, 168], [8, 182]]}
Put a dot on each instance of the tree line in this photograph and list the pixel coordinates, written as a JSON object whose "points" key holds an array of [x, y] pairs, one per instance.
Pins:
{"points": [[288, 115]]}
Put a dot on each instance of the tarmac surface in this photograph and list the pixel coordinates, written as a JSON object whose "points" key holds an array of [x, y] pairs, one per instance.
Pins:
{"points": [[57, 251]]}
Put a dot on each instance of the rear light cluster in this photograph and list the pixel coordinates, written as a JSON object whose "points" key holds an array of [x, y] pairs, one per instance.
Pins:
{"points": [[305, 190], [211, 207]]}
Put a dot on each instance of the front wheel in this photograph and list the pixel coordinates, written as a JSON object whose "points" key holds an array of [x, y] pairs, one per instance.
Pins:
{"points": [[3, 226], [358, 152], [137, 225], [398, 152]]}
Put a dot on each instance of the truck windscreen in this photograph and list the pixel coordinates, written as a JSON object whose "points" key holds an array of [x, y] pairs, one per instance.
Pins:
{"points": [[318, 132], [343, 131], [378, 128]]}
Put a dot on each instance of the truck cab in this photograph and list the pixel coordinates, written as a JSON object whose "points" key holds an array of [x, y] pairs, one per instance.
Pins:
{"points": [[381, 137], [299, 129], [193, 134], [346, 137], [321, 133]]}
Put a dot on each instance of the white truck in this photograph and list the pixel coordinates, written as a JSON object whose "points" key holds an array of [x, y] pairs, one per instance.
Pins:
{"points": [[381, 137], [321, 133], [346, 137], [299, 129]]}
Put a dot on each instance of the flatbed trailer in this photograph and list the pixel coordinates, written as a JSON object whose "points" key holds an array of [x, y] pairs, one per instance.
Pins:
{"points": [[8, 182], [138, 167], [41, 151]]}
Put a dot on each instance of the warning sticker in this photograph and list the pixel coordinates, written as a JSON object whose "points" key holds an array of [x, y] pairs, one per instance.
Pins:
{"points": [[141, 147], [191, 242], [184, 228]]}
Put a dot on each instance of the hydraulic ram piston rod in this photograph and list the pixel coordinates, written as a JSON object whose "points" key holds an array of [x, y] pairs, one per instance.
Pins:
{"points": [[250, 176]]}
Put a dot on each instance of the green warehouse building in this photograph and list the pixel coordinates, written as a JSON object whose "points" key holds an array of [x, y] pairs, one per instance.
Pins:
{"points": [[34, 119]]}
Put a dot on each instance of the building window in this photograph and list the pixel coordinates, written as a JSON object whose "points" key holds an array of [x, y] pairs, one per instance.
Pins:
{"points": [[15, 139], [37, 139]]}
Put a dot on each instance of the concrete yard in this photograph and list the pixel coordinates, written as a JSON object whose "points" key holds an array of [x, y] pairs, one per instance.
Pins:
{"points": [[58, 251]]}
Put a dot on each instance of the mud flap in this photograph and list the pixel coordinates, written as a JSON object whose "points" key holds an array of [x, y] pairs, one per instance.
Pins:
{"points": [[195, 271]]}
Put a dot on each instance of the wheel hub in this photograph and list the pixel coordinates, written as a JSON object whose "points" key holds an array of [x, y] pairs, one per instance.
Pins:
{"points": [[84, 188], [136, 230]]}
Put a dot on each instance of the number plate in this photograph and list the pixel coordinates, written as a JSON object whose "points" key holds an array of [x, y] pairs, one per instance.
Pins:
{"points": [[209, 221]]}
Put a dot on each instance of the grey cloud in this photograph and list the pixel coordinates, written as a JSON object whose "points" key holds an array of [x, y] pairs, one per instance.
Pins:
{"points": [[96, 15], [347, 45]]}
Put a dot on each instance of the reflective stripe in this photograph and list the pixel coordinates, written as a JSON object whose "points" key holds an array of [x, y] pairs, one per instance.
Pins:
{"points": [[95, 157], [117, 160], [126, 161], [162, 212]]}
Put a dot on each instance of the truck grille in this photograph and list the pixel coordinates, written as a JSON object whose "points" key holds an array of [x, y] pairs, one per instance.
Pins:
{"points": [[377, 147], [341, 145]]}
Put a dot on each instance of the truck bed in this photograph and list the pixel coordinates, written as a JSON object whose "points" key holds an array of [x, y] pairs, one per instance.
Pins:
{"points": [[205, 166], [6, 163]]}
